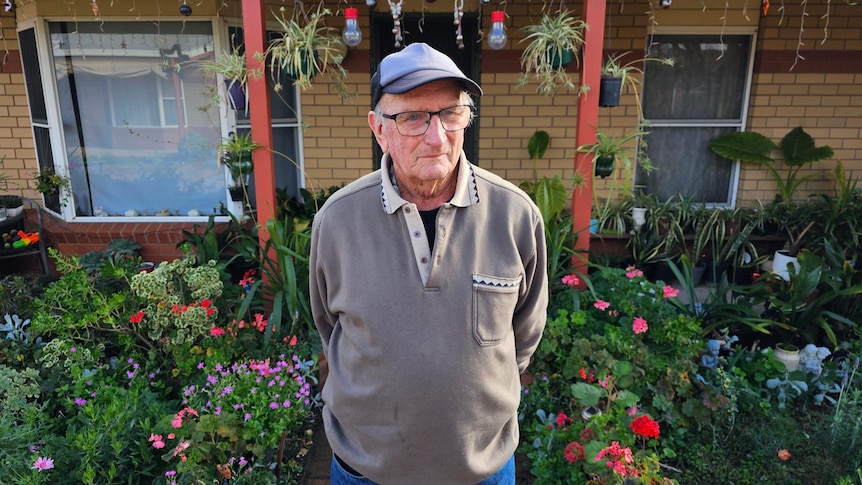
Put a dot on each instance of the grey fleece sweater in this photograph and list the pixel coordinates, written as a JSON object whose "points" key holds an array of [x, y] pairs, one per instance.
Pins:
{"points": [[425, 349]]}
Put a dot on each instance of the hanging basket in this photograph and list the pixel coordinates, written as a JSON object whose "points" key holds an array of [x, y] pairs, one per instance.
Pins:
{"points": [[560, 60], [236, 94], [609, 92], [308, 68], [237, 194], [604, 166]]}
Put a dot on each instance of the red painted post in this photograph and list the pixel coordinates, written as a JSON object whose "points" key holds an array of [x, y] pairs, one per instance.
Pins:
{"points": [[254, 26], [585, 131]]}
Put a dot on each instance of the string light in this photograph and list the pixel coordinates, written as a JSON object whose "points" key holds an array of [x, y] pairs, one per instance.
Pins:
{"points": [[497, 37], [352, 35]]}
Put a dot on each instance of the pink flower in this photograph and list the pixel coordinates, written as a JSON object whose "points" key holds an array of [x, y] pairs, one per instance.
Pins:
{"points": [[631, 411], [632, 272], [43, 464], [783, 454], [571, 280], [669, 292], [171, 436], [177, 422], [601, 305], [216, 331], [639, 325]]}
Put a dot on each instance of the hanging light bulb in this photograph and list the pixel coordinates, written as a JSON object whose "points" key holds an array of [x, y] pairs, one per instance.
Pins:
{"points": [[497, 37], [351, 34]]}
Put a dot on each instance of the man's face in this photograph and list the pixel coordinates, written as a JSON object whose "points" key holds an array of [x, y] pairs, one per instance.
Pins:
{"points": [[425, 158]]}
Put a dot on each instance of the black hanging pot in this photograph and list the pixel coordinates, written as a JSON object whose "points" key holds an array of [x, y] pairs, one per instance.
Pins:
{"points": [[604, 166], [609, 91], [236, 193], [236, 94]]}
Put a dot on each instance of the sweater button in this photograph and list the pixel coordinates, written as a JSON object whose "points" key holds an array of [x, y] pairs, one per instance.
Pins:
{"points": [[417, 234], [423, 260]]}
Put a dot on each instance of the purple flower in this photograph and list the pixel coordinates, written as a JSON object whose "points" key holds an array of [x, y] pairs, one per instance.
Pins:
{"points": [[80, 402], [273, 405], [247, 416]]}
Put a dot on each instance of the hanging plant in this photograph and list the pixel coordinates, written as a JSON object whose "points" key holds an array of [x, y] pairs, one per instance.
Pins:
{"points": [[618, 75], [553, 44], [306, 48], [232, 68]]}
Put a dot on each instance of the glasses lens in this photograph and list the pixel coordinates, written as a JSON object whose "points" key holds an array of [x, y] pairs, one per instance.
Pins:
{"points": [[412, 123], [455, 118], [415, 123]]}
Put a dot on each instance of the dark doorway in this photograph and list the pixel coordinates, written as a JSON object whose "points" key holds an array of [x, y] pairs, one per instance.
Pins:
{"points": [[438, 31]]}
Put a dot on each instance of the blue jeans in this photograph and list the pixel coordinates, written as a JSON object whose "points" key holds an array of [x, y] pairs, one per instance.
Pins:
{"points": [[340, 476]]}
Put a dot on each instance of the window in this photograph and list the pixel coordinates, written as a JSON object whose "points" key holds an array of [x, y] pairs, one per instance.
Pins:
{"points": [[285, 114], [139, 137], [701, 97]]}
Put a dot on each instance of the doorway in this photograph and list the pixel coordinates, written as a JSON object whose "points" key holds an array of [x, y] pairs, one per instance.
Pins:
{"points": [[438, 31]]}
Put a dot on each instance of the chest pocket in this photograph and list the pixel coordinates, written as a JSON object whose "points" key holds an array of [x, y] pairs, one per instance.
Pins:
{"points": [[494, 301]]}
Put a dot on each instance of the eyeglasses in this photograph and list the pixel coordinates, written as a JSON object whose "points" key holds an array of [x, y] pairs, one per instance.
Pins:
{"points": [[415, 123]]}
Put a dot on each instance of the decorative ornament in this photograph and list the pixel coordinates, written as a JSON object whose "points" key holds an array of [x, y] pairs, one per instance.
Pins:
{"points": [[765, 7], [371, 3], [351, 35], [185, 9], [664, 3], [395, 8], [8, 6], [497, 37], [95, 8], [459, 14]]}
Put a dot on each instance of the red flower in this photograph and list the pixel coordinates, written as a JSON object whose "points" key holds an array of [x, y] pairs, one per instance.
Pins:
{"points": [[562, 419], [216, 331], [574, 451], [137, 317], [644, 426], [587, 435], [206, 303]]}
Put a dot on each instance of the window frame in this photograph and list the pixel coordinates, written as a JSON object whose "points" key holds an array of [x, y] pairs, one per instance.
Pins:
{"points": [[228, 120], [740, 124]]}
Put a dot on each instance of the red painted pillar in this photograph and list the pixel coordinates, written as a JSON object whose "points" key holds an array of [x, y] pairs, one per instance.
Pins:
{"points": [[254, 26], [585, 131]]}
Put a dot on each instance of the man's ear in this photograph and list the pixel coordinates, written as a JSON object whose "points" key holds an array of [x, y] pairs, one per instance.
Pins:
{"points": [[376, 125]]}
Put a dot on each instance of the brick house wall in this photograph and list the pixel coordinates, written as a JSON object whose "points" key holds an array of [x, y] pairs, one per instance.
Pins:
{"points": [[822, 93]]}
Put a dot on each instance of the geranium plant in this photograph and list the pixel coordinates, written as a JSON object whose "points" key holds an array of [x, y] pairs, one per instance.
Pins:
{"points": [[245, 419]]}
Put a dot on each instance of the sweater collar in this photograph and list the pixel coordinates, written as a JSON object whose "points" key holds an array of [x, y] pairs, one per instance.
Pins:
{"points": [[466, 192]]}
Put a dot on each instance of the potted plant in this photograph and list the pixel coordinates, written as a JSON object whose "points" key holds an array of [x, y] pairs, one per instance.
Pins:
{"points": [[236, 154], [797, 147], [306, 48], [553, 44], [231, 66], [52, 184], [607, 149], [617, 74], [14, 204]]}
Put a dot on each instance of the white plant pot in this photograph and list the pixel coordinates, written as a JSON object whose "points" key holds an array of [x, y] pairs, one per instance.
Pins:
{"points": [[14, 211], [790, 358], [639, 216], [780, 261]]}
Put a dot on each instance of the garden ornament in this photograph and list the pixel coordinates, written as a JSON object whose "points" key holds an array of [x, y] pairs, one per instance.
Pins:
{"points": [[811, 359], [710, 358]]}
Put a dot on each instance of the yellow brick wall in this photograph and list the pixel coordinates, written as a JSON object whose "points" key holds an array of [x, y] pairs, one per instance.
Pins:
{"points": [[337, 143]]}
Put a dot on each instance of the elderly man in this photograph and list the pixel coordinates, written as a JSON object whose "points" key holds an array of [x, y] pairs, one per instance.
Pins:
{"points": [[429, 290]]}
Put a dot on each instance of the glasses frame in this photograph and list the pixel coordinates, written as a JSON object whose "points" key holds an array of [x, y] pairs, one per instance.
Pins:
{"points": [[430, 117]]}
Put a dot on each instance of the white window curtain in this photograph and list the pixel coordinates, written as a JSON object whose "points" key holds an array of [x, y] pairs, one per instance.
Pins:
{"points": [[701, 97], [140, 128]]}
